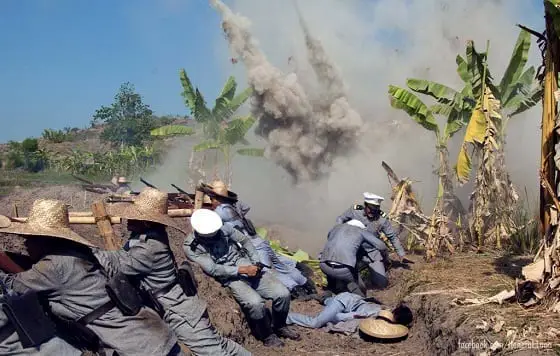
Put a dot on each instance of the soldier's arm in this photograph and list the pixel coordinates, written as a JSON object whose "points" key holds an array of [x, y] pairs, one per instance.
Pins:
{"points": [[388, 230], [247, 245], [346, 216], [373, 240], [43, 276], [206, 262], [136, 261]]}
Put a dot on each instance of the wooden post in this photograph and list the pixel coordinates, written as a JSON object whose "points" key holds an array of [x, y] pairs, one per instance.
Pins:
{"points": [[198, 199], [15, 212], [104, 224]]}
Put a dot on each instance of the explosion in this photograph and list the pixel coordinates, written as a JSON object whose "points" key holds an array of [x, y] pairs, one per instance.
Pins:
{"points": [[303, 137]]}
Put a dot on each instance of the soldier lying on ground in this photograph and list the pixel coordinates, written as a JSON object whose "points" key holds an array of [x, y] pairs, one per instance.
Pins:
{"points": [[233, 211], [148, 258], [371, 216], [229, 256], [339, 256], [70, 278], [348, 306]]}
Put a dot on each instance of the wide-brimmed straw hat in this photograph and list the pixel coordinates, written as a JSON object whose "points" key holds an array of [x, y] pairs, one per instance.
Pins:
{"points": [[380, 328], [206, 222], [46, 218], [219, 189], [149, 205]]}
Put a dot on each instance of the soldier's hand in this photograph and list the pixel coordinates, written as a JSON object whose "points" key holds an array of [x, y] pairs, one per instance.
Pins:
{"points": [[251, 270]]}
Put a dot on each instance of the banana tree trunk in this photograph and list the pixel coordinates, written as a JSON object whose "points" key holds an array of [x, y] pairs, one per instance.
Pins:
{"points": [[548, 123]]}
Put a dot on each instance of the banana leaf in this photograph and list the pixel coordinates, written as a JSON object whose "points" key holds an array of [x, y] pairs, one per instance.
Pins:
{"points": [[172, 130], [298, 256], [188, 93], [414, 107], [516, 64], [228, 91], [475, 133], [251, 152], [207, 145]]}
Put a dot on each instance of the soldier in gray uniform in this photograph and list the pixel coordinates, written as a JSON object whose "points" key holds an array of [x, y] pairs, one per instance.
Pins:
{"points": [[73, 282], [229, 256], [149, 258], [339, 256], [372, 217], [233, 212]]}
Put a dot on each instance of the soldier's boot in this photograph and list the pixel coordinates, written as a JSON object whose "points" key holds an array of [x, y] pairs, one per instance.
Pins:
{"points": [[262, 330], [281, 329]]}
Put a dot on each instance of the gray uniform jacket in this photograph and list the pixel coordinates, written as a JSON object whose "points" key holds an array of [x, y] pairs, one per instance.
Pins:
{"points": [[345, 240], [75, 287], [150, 259], [220, 255], [381, 225]]}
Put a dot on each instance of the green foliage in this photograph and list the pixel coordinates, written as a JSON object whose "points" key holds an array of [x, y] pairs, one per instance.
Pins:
{"points": [[127, 160], [25, 155], [128, 120], [526, 239], [172, 130], [251, 152], [59, 136], [414, 107]]}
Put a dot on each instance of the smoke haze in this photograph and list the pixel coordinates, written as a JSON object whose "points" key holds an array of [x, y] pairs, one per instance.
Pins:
{"points": [[372, 44]]}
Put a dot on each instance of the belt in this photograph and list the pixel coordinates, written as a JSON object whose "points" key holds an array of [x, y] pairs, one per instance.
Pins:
{"points": [[163, 291], [334, 264], [96, 313]]}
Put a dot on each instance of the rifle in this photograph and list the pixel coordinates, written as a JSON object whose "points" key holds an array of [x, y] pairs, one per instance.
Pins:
{"points": [[189, 196], [147, 183], [82, 179]]}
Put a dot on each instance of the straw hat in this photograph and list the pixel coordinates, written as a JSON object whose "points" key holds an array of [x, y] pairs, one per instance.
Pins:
{"points": [[149, 205], [46, 218], [382, 329], [219, 188], [206, 222], [122, 180]]}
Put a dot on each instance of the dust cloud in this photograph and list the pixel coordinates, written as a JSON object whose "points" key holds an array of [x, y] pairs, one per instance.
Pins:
{"points": [[373, 44]]}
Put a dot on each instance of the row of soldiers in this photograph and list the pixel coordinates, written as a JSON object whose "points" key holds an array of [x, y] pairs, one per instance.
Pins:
{"points": [[137, 301]]}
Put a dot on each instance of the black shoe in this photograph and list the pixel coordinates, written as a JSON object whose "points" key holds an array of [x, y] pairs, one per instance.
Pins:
{"points": [[287, 333], [273, 341]]}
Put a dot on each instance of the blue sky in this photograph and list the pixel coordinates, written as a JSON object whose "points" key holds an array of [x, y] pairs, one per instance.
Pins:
{"points": [[62, 59]]}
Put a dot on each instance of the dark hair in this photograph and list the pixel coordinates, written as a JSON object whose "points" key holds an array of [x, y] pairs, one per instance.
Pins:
{"points": [[402, 314]]}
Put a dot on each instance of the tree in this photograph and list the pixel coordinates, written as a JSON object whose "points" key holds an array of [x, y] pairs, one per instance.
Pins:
{"points": [[221, 129], [128, 121], [519, 92]]}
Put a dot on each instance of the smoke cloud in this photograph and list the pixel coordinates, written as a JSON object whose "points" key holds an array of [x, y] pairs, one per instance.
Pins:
{"points": [[374, 44], [303, 136]]}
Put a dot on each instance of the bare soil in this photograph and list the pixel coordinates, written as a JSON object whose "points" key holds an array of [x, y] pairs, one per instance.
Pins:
{"points": [[440, 327]]}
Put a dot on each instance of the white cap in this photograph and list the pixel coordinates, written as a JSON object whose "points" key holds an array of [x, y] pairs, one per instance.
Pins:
{"points": [[372, 199], [206, 222], [356, 223]]}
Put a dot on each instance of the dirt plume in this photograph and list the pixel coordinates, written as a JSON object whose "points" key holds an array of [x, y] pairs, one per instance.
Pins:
{"points": [[303, 136]]}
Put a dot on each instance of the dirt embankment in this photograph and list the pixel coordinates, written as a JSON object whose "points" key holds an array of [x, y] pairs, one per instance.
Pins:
{"points": [[440, 328]]}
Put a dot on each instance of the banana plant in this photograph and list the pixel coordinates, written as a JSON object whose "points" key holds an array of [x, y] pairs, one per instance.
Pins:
{"points": [[517, 92], [455, 108], [221, 129]]}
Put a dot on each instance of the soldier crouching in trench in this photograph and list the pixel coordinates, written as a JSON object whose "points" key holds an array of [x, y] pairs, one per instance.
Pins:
{"points": [[229, 256], [147, 258], [75, 288]]}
